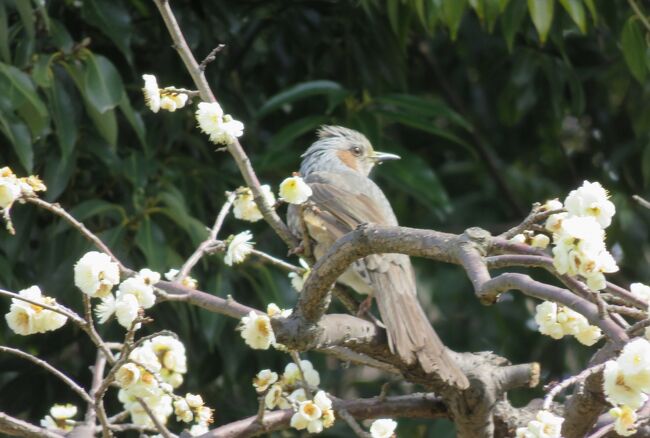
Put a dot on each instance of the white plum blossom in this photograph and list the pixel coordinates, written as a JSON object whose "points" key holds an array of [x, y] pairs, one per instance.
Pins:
{"points": [[264, 379], [619, 388], [9, 192], [198, 429], [127, 375], [151, 92], [540, 241], [545, 425], [580, 250], [554, 222], [105, 309], [294, 190], [137, 287], [219, 127], [244, 206], [96, 274], [383, 428], [59, 418], [273, 309], [13, 188], [239, 248], [311, 414], [552, 205], [592, 200], [256, 331], [188, 281], [641, 290], [126, 309], [558, 321], [275, 397], [171, 100], [624, 420], [183, 411], [26, 318], [298, 280], [292, 374]]}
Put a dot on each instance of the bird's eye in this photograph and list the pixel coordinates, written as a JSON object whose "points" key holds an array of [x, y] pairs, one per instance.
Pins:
{"points": [[356, 150]]}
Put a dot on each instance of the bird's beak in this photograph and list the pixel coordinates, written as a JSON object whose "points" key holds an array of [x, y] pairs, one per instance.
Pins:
{"points": [[380, 157]]}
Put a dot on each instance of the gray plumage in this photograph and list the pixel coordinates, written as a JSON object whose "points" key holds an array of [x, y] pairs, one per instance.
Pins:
{"points": [[336, 167]]}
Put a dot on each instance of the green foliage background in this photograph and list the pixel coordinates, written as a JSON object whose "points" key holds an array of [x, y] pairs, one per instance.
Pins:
{"points": [[487, 117]]}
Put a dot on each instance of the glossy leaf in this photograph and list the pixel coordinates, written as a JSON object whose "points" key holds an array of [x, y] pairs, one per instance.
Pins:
{"points": [[113, 19], [64, 119], [541, 12], [134, 118], [102, 83], [423, 107], [298, 92], [634, 48], [453, 11], [18, 135], [511, 21], [26, 12], [576, 11], [42, 71]]}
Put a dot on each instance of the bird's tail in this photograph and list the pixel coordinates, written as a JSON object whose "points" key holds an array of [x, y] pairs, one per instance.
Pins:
{"points": [[410, 334]]}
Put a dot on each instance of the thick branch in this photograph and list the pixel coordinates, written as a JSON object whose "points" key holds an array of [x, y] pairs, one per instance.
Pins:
{"points": [[15, 427]]}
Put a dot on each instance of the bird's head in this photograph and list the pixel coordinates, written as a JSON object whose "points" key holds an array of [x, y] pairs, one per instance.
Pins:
{"points": [[340, 149]]}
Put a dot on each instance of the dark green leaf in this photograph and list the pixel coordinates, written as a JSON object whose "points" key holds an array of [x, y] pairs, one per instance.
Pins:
{"points": [[64, 119], [5, 54], [113, 19], [18, 134], [23, 90], [42, 71], [576, 11], [295, 129], [60, 36], [149, 239], [634, 48], [541, 12], [26, 13], [58, 171], [511, 21], [453, 11], [298, 92], [102, 83], [424, 107], [134, 119]]}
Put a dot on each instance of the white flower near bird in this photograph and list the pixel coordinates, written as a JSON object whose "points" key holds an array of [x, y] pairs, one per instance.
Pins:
{"points": [[558, 321], [256, 331], [126, 309], [620, 388], [244, 206], [383, 428], [137, 287], [239, 248], [310, 414], [96, 274], [222, 129], [292, 375], [295, 190], [264, 379]]}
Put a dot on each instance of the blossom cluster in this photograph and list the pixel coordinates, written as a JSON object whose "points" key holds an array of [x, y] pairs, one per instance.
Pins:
{"points": [[558, 321], [27, 318], [153, 370], [169, 99], [220, 127], [545, 425], [60, 418], [626, 382], [287, 391], [579, 235]]}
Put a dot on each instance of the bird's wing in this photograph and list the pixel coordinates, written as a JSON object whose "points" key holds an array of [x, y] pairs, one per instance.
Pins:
{"points": [[345, 201]]}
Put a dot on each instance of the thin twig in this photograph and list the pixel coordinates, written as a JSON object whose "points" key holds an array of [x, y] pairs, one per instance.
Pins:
{"points": [[642, 202], [568, 382], [41, 363], [211, 56], [159, 426], [296, 359], [352, 422], [201, 250], [62, 310], [635, 329], [98, 376], [277, 262], [59, 211]]}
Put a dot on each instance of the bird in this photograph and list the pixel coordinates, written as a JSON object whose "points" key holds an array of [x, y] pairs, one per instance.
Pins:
{"points": [[337, 167]]}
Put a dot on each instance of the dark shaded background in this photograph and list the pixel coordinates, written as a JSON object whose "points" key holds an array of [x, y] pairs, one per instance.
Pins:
{"points": [[487, 124]]}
